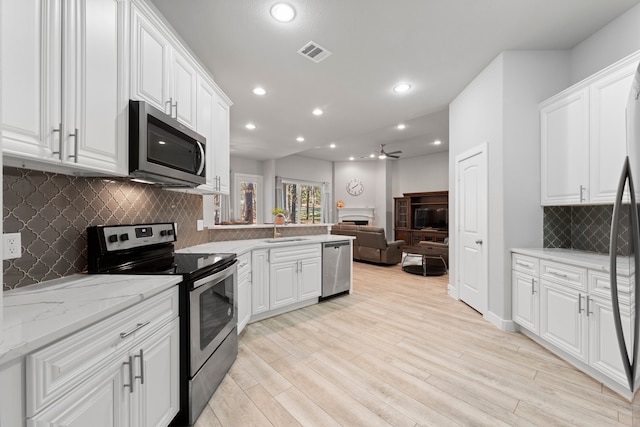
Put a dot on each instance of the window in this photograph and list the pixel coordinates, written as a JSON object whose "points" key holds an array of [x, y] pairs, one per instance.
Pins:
{"points": [[303, 201], [247, 200]]}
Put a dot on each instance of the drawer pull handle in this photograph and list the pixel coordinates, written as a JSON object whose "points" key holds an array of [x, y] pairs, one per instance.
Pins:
{"points": [[141, 357], [524, 264], [130, 363], [565, 275], [138, 326], [533, 288]]}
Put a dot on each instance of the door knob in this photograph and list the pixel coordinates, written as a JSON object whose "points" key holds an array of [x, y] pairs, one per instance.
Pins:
{"points": [[479, 241]]}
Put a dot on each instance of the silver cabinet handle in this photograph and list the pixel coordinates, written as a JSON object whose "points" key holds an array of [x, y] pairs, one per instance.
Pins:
{"points": [[75, 146], [479, 241], [170, 102], [141, 357], [131, 379], [588, 309], [138, 326], [59, 130], [524, 264], [533, 289], [176, 105], [582, 188], [580, 309]]}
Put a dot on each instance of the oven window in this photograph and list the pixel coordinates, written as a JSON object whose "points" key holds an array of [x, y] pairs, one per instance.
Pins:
{"points": [[216, 310]]}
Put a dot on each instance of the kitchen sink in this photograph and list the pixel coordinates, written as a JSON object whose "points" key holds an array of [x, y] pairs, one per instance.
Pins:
{"points": [[286, 239]]}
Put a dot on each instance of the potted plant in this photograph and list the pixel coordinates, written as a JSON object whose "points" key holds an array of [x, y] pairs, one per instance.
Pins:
{"points": [[278, 213]]}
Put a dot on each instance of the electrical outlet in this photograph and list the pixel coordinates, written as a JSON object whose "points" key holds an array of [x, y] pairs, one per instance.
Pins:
{"points": [[12, 246], [200, 225]]}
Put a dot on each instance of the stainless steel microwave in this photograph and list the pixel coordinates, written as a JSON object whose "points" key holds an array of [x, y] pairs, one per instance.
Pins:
{"points": [[162, 150]]}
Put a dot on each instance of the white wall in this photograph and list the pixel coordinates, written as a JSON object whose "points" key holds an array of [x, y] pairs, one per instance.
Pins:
{"points": [[368, 172], [423, 173], [304, 168], [616, 40], [500, 108], [248, 166]]}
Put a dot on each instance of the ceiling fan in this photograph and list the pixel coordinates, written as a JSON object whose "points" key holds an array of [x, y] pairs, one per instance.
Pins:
{"points": [[383, 154]]}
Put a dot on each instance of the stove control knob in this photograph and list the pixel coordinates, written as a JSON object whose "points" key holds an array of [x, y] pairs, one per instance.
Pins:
{"points": [[163, 232], [113, 238], [170, 232], [124, 237]]}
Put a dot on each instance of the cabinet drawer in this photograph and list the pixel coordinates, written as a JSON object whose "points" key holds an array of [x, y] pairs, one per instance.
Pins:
{"points": [[600, 285], [295, 253], [525, 264], [62, 366], [563, 274]]}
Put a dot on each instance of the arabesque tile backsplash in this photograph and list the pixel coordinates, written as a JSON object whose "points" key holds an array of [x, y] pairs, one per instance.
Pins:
{"points": [[52, 212], [585, 228]]}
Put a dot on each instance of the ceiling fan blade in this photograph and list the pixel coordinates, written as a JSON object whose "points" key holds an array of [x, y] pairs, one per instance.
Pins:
{"points": [[393, 156], [394, 152]]}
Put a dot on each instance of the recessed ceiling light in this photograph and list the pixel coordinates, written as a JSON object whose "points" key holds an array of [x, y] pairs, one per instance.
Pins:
{"points": [[250, 126], [332, 145], [401, 126], [259, 91], [283, 12], [401, 87], [300, 139], [317, 112], [351, 158], [437, 142], [372, 155]]}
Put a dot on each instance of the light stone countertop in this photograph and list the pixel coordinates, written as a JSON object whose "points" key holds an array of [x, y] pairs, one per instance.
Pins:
{"points": [[37, 315], [590, 260], [240, 247]]}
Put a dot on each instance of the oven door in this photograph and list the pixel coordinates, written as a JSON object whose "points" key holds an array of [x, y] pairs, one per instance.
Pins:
{"points": [[213, 314]]}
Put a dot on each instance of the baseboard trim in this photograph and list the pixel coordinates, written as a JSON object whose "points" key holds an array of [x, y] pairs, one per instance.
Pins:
{"points": [[500, 323]]}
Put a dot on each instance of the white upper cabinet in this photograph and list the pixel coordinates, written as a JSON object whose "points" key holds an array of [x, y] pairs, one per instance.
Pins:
{"points": [[583, 137], [166, 75], [608, 102], [63, 100], [565, 149]]}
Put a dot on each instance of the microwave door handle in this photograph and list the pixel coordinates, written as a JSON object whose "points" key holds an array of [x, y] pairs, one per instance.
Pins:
{"points": [[202, 159]]}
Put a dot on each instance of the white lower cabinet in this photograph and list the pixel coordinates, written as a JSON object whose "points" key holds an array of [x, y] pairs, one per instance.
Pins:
{"points": [[563, 321], [123, 371], [244, 290], [285, 276], [575, 313]]}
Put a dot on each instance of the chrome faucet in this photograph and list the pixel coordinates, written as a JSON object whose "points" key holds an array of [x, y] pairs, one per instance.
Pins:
{"points": [[275, 225]]}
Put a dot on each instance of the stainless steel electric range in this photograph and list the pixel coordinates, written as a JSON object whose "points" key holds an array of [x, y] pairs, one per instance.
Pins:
{"points": [[208, 307]]}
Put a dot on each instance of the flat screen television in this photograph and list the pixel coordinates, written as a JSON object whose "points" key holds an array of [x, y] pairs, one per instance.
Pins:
{"points": [[436, 218]]}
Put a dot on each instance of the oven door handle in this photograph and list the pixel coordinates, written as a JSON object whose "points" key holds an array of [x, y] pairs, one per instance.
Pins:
{"points": [[218, 276]]}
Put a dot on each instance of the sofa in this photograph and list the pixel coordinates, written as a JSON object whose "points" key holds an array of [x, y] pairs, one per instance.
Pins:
{"points": [[370, 243]]}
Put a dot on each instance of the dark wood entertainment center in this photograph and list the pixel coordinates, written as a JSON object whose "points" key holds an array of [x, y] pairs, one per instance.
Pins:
{"points": [[405, 211]]}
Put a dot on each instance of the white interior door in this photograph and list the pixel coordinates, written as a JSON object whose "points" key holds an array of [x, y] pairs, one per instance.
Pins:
{"points": [[471, 205]]}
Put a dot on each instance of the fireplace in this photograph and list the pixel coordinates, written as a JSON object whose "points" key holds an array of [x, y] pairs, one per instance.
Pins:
{"points": [[360, 216]]}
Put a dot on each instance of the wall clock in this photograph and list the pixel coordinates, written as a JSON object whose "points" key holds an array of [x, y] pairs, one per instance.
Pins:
{"points": [[355, 187]]}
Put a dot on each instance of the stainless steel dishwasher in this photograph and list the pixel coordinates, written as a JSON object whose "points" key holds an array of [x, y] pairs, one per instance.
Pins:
{"points": [[336, 268]]}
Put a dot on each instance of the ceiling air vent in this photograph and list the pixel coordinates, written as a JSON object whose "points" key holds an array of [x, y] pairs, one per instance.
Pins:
{"points": [[314, 51]]}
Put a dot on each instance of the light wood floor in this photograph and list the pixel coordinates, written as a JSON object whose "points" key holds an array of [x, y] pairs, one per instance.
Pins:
{"points": [[399, 351]]}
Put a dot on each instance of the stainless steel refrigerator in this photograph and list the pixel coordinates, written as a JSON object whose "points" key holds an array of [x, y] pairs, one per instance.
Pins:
{"points": [[627, 199]]}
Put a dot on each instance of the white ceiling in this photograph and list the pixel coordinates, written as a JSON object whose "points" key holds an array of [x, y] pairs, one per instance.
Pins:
{"points": [[438, 46]]}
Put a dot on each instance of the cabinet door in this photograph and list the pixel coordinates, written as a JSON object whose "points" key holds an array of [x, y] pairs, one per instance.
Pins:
{"points": [[156, 366], [562, 318], [526, 301], [604, 353], [102, 401], [565, 149], [283, 283], [310, 278], [402, 213], [183, 90], [206, 106], [21, 72], [260, 281], [150, 52], [244, 300], [93, 76], [221, 146], [608, 143]]}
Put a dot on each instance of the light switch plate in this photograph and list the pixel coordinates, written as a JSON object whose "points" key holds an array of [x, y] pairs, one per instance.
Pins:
{"points": [[200, 225], [12, 245]]}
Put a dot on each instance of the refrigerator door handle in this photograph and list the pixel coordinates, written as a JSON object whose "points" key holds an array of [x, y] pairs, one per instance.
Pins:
{"points": [[630, 365]]}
